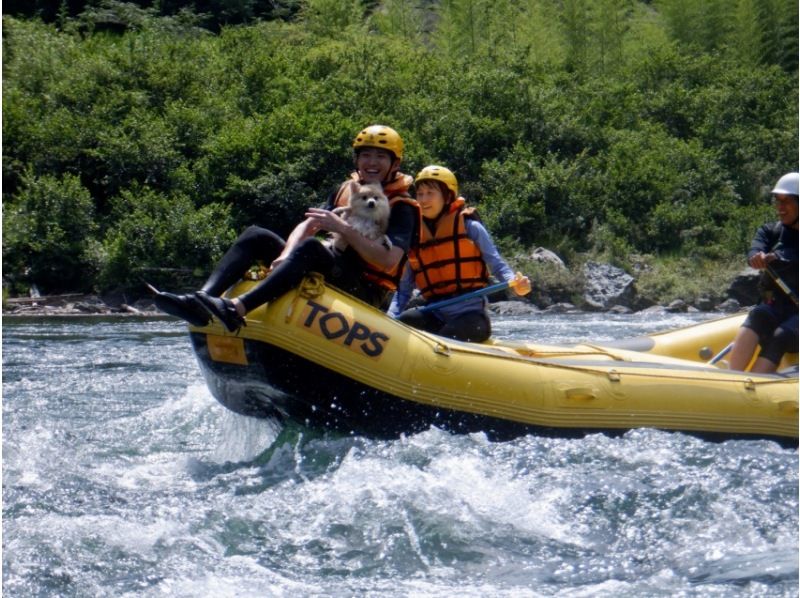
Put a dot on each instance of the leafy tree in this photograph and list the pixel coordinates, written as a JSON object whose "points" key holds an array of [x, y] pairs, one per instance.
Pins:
{"points": [[329, 17], [747, 37], [457, 32], [155, 236], [778, 20], [611, 26], [684, 19], [575, 25], [48, 234], [404, 18], [512, 200]]}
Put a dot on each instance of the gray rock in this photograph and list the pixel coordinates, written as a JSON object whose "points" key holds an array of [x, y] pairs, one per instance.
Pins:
{"points": [[512, 308], [542, 255], [744, 287], [653, 309], [704, 303], [729, 306], [89, 308], [607, 286], [677, 306], [145, 304], [562, 308], [73, 304]]}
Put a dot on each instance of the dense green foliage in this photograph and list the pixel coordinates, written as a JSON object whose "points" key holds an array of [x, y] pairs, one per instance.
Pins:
{"points": [[616, 127]]}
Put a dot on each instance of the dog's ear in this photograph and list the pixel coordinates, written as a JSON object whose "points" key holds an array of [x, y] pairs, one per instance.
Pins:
{"points": [[354, 187]]}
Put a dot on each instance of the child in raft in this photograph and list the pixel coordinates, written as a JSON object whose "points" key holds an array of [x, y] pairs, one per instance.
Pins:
{"points": [[453, 256]]}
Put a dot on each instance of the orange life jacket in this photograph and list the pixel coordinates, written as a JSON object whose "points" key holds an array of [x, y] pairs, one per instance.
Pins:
{"points": [[397, 191], [446, 262]]}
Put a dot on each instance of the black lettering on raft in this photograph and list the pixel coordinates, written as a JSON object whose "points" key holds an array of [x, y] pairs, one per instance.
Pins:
{"points": [[335, 326]]}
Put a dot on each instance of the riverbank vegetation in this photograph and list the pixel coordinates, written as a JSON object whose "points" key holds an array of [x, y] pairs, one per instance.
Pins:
{"points": [[139, 139]]}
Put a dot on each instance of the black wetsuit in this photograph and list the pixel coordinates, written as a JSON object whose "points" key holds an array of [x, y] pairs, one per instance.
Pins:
{"points": [[775, 320], [342, 271]]}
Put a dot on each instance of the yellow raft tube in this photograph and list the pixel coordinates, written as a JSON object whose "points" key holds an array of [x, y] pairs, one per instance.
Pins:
{"points": [[325, 359]]}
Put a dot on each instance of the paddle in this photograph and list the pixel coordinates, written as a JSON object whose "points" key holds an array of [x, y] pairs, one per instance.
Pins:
{"points": [[781, 284], [521, 285], [720, 355]]}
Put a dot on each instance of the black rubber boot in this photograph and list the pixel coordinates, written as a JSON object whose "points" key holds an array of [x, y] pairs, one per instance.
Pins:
{"points": [[186, 307], [222, 309]]}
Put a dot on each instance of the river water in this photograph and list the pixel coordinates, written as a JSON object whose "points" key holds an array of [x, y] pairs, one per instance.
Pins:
{"points": [[122, 476]]}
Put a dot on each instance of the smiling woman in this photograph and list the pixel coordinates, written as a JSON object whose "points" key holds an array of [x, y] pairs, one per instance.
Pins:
{"points": [[454, 257]]}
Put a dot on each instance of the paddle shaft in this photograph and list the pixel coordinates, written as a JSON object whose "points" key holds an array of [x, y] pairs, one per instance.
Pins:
{"points": [[721, 354], [472, 294], [781, 284]]}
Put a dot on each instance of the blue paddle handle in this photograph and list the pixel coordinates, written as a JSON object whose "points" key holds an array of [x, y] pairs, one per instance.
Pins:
{"points": [[472, 294]]}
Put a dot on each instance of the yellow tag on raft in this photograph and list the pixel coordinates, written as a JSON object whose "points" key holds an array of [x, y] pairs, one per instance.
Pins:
{"points": [[227, 349]]}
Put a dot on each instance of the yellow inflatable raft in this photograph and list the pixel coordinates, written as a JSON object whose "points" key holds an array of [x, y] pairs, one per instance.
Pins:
{"points": [[324, 359]]}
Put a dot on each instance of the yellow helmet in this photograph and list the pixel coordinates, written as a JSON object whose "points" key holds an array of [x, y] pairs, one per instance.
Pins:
{"points": [[381, 137], [439, 173]]}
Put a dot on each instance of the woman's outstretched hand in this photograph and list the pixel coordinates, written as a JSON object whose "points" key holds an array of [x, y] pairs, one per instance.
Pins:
{"points": [[327, 220]]}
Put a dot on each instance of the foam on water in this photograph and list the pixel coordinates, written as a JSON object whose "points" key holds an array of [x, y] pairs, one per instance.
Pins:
{"points": [[243, 438]]}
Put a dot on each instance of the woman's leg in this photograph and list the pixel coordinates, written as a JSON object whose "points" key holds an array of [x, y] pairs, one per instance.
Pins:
{"points": [[309, 256], [759, 326], [783, 341], [744, 345], [420, 320], [255, 243], [473, 326]]}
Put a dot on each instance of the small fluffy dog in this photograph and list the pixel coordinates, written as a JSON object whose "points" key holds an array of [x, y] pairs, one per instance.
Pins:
{"points": [[367, 212]]}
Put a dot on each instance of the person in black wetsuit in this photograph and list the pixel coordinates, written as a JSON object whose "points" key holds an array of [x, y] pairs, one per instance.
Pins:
{"points": [[773, 323], [367, 269]]}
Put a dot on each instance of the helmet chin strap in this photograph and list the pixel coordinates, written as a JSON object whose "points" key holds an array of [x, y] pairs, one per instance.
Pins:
{"points": [[393, 170]]}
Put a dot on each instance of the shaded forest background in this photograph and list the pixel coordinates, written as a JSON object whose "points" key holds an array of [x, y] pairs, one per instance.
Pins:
{"points": [[139, 138]]}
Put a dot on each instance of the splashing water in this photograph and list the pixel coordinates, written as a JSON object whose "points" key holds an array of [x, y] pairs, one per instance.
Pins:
{"points": [[122, 476]]}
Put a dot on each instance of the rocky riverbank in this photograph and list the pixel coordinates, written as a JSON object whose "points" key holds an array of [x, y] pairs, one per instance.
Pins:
{"points": [[78, 305], [604, 289]]}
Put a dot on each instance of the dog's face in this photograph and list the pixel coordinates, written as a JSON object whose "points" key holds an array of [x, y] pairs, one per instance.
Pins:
{"points": [[367, 212], [369, 201]]}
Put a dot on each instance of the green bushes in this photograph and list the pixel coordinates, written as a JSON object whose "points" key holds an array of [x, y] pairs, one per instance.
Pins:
{"points": [[48, 235], [159, 143], [155, 236]]}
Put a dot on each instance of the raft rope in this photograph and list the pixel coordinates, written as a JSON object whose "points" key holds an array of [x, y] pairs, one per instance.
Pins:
{"points": [[628, 366], [312, 286]]}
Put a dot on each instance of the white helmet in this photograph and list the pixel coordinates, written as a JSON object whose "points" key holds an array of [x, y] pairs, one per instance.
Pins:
{"points": [[787, 184]]}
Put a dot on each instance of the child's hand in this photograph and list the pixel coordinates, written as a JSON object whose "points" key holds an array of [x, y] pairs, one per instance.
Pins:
{"points": [[521, 285]]}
